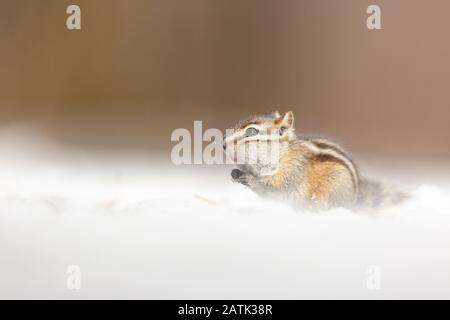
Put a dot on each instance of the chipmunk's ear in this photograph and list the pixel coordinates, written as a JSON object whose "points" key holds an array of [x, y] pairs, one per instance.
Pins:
{"points": [[288, 120]]}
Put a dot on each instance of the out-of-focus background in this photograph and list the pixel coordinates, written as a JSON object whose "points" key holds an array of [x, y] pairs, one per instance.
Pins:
{"points": [[139, 69], [86, 119]]}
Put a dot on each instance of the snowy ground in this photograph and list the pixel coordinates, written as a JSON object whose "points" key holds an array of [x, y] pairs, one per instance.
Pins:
{"points": [[139, 227]]}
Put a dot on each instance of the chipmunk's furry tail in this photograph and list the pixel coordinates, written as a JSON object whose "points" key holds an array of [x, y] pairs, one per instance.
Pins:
{"points": [[376, 194]]}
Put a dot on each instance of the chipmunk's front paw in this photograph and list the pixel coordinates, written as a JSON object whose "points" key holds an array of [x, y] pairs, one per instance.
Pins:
{"points": [[236, 174], [240, 176]]}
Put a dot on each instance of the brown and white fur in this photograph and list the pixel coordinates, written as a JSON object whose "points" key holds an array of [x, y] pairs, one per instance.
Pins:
{"points": [[307, 172]]}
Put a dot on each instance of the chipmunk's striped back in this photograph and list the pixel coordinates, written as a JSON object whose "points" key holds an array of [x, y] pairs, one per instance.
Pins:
{"points": [[326, 149], [327, 178]]}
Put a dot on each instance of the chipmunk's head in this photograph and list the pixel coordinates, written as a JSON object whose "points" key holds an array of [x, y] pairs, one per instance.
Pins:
{"points": [[256, 143]]}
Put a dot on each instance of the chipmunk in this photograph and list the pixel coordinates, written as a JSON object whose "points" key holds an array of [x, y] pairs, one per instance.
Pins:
{"points": [[308, 172]]}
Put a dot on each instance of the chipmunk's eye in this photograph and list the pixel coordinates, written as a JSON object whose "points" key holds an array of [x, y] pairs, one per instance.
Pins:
{"points": [[250, 132], [282, 130]]}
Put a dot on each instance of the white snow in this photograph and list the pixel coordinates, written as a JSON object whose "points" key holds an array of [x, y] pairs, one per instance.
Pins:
{"points": [[140, 227]]}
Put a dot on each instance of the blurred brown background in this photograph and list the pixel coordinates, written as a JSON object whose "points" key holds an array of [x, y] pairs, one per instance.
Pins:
{"points": [[139, 69]]}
